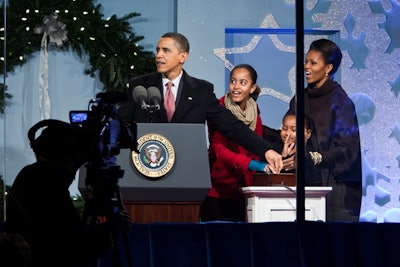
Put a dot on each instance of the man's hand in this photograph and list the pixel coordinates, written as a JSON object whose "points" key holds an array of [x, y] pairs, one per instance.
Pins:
{"points": [[274, 160]]}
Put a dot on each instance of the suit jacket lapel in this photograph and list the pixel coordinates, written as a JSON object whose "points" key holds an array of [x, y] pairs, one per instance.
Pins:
{"points": [[156, 80], [185, 95]]}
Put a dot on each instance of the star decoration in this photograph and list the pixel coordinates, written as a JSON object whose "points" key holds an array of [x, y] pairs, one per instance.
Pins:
{"points": [[268, 23]]}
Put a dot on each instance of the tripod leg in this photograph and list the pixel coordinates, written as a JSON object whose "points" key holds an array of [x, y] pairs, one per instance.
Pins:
{"points": [[122, 249], [121, 235]]}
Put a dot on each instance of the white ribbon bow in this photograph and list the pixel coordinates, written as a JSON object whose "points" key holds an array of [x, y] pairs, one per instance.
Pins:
{"points": [[57, 33]]}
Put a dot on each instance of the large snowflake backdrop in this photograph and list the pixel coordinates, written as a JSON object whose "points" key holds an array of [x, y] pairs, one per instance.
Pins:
{"points": [[368, 33], [371, 74]]}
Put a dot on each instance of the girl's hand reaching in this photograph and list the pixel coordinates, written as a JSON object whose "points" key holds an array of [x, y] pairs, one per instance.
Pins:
{"points": [[289, 147]]}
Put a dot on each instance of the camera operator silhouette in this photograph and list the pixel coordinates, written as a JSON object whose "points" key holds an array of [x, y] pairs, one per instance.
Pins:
{"points": [[40, 207]]}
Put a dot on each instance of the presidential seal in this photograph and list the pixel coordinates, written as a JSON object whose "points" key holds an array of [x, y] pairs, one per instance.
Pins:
{"points": [[156, 156]]}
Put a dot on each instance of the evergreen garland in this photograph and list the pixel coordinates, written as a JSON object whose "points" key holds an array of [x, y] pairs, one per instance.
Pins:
{"points": [[111, 46]]}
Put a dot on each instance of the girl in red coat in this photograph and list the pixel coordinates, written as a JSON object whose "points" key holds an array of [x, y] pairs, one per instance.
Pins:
{"points": [[233, 166]]}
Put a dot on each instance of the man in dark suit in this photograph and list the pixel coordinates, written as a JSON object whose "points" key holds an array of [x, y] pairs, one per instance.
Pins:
{"points": [[195, 101]]}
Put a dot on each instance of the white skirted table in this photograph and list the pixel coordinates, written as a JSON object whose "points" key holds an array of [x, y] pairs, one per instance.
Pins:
{"points": [[278, 203]]}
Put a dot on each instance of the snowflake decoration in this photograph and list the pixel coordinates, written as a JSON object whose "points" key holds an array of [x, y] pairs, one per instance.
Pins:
{"points": [[313, 8], [356, 47], [392, 23], [395, 85], [376, 194], [398, 160], [396, 133]]}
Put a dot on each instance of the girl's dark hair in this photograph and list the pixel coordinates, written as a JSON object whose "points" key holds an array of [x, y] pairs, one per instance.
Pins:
{"points": [[307, 121], [330, 52], [253, 76], [288, 113]]}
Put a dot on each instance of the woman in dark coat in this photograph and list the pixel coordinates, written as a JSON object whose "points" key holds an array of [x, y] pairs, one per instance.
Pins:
{"points": [[335, 142]]}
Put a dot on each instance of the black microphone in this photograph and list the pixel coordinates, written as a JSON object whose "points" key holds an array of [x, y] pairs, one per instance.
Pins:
{"points": [[140, 95], [154, 96]]}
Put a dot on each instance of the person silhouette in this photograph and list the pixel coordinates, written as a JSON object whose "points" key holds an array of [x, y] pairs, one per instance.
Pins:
{"points": [[40, 208]]}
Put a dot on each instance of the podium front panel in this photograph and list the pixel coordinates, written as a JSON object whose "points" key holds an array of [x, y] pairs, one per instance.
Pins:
{"points": [[188, 179]]}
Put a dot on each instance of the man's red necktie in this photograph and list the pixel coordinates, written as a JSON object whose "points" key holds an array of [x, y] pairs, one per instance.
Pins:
{"points": [[169, 101]]}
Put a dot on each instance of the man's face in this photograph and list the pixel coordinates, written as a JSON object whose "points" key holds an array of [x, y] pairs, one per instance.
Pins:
{"points": [[169, 58]]}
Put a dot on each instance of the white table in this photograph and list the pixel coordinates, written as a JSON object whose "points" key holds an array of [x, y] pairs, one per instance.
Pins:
{"points": [[278, 203]]}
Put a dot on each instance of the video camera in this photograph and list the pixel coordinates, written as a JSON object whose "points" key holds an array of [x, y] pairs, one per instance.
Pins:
{"points": [[103, 124], [103, 132]]}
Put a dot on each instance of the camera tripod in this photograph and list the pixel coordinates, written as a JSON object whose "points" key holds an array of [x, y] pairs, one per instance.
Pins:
{"points": [[103, 204]]}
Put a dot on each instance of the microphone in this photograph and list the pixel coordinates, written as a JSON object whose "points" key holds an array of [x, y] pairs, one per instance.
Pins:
{"points": [[140, 96], [154, 96]]}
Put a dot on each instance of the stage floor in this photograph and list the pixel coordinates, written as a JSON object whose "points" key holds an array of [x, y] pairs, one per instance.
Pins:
{"points": [[292, 244]]}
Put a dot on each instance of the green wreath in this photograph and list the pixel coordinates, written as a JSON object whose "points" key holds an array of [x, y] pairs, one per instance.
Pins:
{"points": [[112, 47]]}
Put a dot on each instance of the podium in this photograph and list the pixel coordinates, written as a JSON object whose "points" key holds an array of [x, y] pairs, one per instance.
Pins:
{"points": [[263, 179], [177, 195]]}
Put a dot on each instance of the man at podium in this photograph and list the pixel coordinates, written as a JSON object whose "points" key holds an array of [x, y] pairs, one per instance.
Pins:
{"points": [[192, 100]]}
